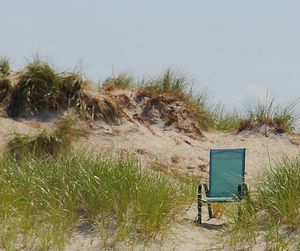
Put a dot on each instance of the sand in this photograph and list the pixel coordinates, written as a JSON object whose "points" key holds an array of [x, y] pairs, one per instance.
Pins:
{"points": [[182, 153]]}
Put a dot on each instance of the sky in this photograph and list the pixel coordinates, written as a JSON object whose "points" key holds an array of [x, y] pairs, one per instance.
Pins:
{"points": [[236, 50]]}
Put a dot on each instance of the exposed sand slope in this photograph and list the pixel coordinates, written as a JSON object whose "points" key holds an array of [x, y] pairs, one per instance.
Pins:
{"points": [[188, 155]]}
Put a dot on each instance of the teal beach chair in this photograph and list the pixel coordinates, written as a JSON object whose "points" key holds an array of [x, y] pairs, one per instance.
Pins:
{"points": [[226, 178]]}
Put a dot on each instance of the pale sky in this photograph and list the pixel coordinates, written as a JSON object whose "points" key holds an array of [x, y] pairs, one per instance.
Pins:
{"points": [[236, 49]]}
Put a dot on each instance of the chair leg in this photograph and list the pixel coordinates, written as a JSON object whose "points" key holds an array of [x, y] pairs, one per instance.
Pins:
{"points": [[209, 210], [199, 204]]}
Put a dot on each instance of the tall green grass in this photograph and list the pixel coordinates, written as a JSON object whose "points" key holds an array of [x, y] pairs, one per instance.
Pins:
{"points": [[44, 199], [273, 211], [281, 117]]}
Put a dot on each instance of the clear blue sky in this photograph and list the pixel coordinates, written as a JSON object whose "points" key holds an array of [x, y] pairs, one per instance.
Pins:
{"points": [[236, 49]]}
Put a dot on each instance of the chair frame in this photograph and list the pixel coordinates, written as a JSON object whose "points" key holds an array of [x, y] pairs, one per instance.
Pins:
{"points": [[242, 190]]}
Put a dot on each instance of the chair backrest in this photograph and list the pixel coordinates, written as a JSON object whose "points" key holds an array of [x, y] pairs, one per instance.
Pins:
{"points": [[226, 172]]}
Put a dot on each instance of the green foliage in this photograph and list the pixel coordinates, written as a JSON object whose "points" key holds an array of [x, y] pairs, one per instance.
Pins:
{"points": [[43, 199], [36, 89], [71, 90], [267, 112], [46, 143], [273, 209], [4, 67], [169, 82], [225, 120], [5, 89], [5, 83], [121, 81]]}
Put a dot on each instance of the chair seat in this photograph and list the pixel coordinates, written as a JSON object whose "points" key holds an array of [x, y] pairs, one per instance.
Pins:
{"points": [[220, 199]]}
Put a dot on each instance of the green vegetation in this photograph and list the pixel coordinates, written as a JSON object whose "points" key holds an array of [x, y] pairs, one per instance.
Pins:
{"points": [[4, 67], [39, 88], [121, 81], [272, 211], [36, 89], [267, 112], [46, 191], [5, 83], [179, 86], [169, 82], [47, 143], [44, 199]]}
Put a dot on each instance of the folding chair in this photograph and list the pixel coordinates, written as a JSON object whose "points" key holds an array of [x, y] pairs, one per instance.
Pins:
{"points": [[226, 179]]}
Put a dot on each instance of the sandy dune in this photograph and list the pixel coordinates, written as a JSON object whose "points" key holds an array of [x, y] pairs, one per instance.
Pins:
{"points": [[179, 152]]}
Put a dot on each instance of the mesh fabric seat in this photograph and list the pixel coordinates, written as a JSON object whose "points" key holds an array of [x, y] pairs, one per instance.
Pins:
{"points": [[226, 178]]}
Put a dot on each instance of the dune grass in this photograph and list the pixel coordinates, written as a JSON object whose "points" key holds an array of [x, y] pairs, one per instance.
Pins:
{"points": [[121, 81], [44, 199], [5, 83], [280, 117], [272, 211], [225, 120], [36, 89], [4, 67], [179, 85], [47, 142], [41, 88]]}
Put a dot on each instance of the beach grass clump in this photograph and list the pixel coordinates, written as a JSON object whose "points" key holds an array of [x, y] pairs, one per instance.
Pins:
{"points": [[44, 199], [121, 81], [5, 83], [179, 86], [279, 117], [5, 89], [4, 67], [36, 89], [272, 212], [47, 142], [40, 88], [169, 82], [225, 120]]}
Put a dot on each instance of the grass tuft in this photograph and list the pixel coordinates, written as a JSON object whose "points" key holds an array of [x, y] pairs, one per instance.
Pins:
{"points": [[5, 83], [280, 118], [169, 82], [36, 90], [121, 81], [273, 211], [46, 143], [4, 67], [225, 120]]}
